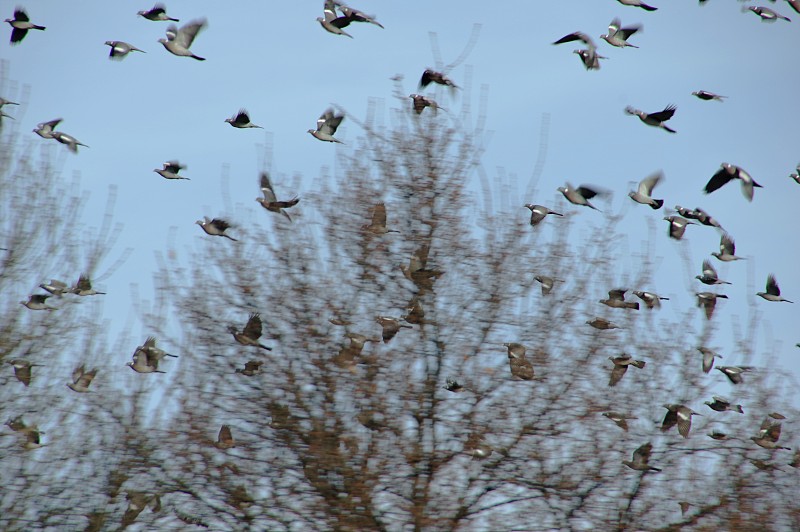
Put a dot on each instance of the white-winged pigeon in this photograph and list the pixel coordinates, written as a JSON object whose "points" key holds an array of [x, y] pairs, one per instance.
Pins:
{"points": [[709, 275], [270, 202], [539, 212], [645, 190], [618, 36], [215, 227], [119, 49]]}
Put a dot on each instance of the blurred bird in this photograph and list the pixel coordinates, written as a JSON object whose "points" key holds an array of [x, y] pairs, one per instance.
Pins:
{"points": [[241, 120], [602, 324], [225, 438], [539, 212], [415, 314], [654, 119], [619, 419], [333, 23], [327, 124], [55, 287], [354, 15], [641, 456], [618, 36], [727, 249], [153, 352], [120, 49], [143, 363], [768, 435], [431, 76], [452, 385], [709, 275], [45, 129], [580, 195], [726, 173], [84, 287], [637, 3], [16, 424], [68, 140], [616, 299], [677, 226], [270, 201], [644, 192], [708, 358], [390, 326], [21, 24], [22, 370], [621, 364], [251, 332], [179, 41], [589, 58], [578, 36], [794, 4], [651, 300], [33, 438], [708, 301], [520, 366], [734, 373], [706, 219], [417, 270], [546, 282], [37, 302], [251, 368], [157, 13], [773, 292], [421, 102], [170, 170], [137, 502], [718, 435], [705, 95], [81, 379], [215, 227], [678, 415], [377, 225], [477, 447], [796, 174], [766, 14], [720, 404], [3, 102]]}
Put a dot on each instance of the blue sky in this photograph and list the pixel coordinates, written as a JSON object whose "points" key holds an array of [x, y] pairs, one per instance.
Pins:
{"points": [[274, 59]]}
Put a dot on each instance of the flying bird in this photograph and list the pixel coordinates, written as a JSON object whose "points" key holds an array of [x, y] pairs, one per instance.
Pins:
{"points": [[539, 212], [21, 24], [153, 352], [651, 300], [580, 195], [767, 14], [620, 419], [431, 76], [708, 358], [37, 302], [251, 332], [709, 275], [3, 102], [678, 415], [215, 227], [270, 202], [546, 282], [68, 140], [637, 3], [589, 58], [621, 364], [420, 102], [251, 368], [170, 170], [225, 438], [45, 129], [727, 249], [354, 15], [706, 219], [706, 95], [22, 370], [644, 192], [618, 36], [520, 366], [390, 327], [377, 225], [417, 271], [720, 404], [734, 373], [641, 457], [768, 435], [241, 120], [657, 119], [56, 287], [726, 173], [677, 226], [120, 49], [327, 124], [708, 301], [143, 362], [773, 292], [616, 299], [179, 41], [81, 379], [157, 13], [84, 287], [333, 22], [452, 385], [602, 324]]}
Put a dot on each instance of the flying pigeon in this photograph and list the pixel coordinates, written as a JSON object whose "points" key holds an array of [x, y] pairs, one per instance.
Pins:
{"points": [[170, 170], [641, 456], [643, 193], [327, 124], [650, 299], [520, 366], [84, 287], [421, 102], [538, 213], [720, 404], [431, 76], [179, 41], [654, 119], [68, 140], [37, 302], [589, 58], [706, 219], [22, 370], [621, 364], [225, 438], [578, 36], [546, 282], [727, 249], [706, 95], [81, 379], [708, 358], [215, 227], [157, 13], [709, 274], [678, 415], [619, 419], [56, 287], [768, 435], [120, 49], [580, 195], [602, 324], [333, 23], [796, 174], [354, 15], [251, 332], [417, 270], [618, 36], [734, 373], [241, 120], [251, 368], [45, 129], [616, 299], [708, 301], [415, 314], [452, 385], [637, 3], [766, 14], [726, 173], [270, 202], [773, 292], [677, 226], [153, 352], [21, 24], [390, 326], [377, 225], [143, 363]]}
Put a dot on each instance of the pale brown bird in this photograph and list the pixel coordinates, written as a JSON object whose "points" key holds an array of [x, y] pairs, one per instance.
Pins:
{"points": [[616, 299], [390, 326], [415, 314], [251, 332], [251, 367], [81, 379], [144, 363], [619, 419], [417, 270], [225, 438], [734, 373], [270, 201], [602, 324], [137, 502], [641, 457], [768, 435], [520, 366], [377, 225], [546, 282], [84, 287], [773, 292], [621, 364], [22, 370], [420, 102], [678, 415]]}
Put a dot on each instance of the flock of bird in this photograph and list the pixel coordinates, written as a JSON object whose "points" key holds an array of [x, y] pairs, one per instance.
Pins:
{"points": [[337, 16]]}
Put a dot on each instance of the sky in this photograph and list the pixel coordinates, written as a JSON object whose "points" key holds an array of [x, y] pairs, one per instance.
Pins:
{"points": [[275, 60]]}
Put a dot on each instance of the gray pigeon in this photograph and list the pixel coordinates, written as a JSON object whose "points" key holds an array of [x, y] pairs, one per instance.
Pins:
{"points": [[720, 404], [215, 227], [616, 299], [727, 249], [767, 14], [546, 282], [333, 23], [45, 129], [618, 36], [706, 219], [327, 124], [520, 366], [773, 293], [708, 300], [708, 358], [539, 212], [179, 41], [677, 226], [796, 174], [637, 3], [143, 363], [621, 364], [589, 58], [55, 287], [651, 300], [84, 287], [641, 456], [170, 170], [251, 333], [706, 95], [654, 119], [678, 415], [734, 373], [120, 49], [21, 24], [270, 202], [709, 275], [643, 193], [580, 195], [726, 173], [241, 120], [37, 302], [157, 13], [68, 140]]}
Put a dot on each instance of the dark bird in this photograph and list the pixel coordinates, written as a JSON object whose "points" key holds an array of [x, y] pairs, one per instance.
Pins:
{"points": [[67, 140], [37, 302], [651, 300], [734, 373], [578, 36], [251, 367], [241, 120], [709, 275], [327, 124], [618, 36], [81, 379], [170, 170], [546, 282], [602, 324], [641, 457], [708, 301], [589, 58], [84, 287], [520, 366], [708, 358], [644, 192], [390, 326], [616, 299], [727, 249], [22, 370], [621, 364], [580, 195], [157, 13], [637, 3], [415, 314], [377, 225], [706, 219], [619, 419], [726, 173], [768, 435], [179, 41], [431, 76], [270, 202], [251, 332], [717, 435], [120, 49], [21, 24], [720, 404], [767, 14], [225, 438], [654, 119], [677, 226], [705, 95], [421, 102], [215, 227], [773, 292], [539, 212], [354, 15], [333, 22], [678, 415]]}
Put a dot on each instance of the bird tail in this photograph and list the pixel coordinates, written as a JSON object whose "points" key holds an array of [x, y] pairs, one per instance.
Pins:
{"points": [[739, 409], [668, 128], [657, 204], [198, 57], [35, 27], [655, 469], [633, 305], [639, 363], [262, 346]]}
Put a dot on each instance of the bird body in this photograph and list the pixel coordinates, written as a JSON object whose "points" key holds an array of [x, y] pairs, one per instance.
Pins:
{"points": [[170, 170], [720, 404], [616, 299], [55, 287], [251, 332], [589, 58], [618, 36], [621, 364], [539, 212], [431, 76], [641, 457], [143, 362], [225, 438], [21, 24], [680, 415], [706, 95], [657, 119], [677, 226], [580, 195], [546, 282], [727, 249], [179, 41], [251, 368], [708, 358], [520, 366], [377, 225], [773, 292], [327, 124], [215, 227], [68, 140], [602, 324], [45, 129], [709, 275], [22, 370], [37, 302], [708, 300], [390, 327], [420, 102], [651, 300], [767, 14], [332, 22], [241, 120], [157, 13]]}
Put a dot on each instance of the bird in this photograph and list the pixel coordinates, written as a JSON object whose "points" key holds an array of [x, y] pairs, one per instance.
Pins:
{"points": [[420, 102], [170, 170], [621, 364], [734, 373], [431, 76], [225, 438], [580, 195], [539, 212], [270, 202], [618, 36], [637, 3], [143, 362], [251, 332], [678, 415], [726, 173], [377, 225], [3, 102], [616, 299], [81, 379], [589, 58], [56, 287], [390, 327], [22, 370], [602, 324], [706, 219], [354, 15], [120, 49], [417, 270], [709, 275], [768, 435], [21, 24], [215, 227], [251, 367], [578, 36], [546, 282], [706, 95], [137, 502], [619, 419], [179, 41], [708, 301], [708, 358], [153, 352], [333, 23], [767, 14], [677, 226], [651, 300], [415, 314], [720, 404], [68, 140], [654, 119], [794, 4], [84, 287], [727, 249], [477, 447], [452, 385], [641, 456], [717, 435], [520, 366], [37, 302], [644, 192], [241, 120], [796, 174], [327, 124], [157, 13], [45, 129], [773, 292]]}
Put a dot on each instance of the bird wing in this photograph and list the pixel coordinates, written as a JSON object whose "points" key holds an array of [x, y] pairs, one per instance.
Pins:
{"points": [[173, 167], [772, 286], [425, 79], [663, 116], [225, 435], [189, 31], [617, 293], [83, 283], [331, 123], [647, 184], [86, 378], [253, 328], [587, 192], [642, 454], [617, 373], [252, 365], [39, 298], [628, 31], [242, 117], [578, 36], [266, 188], [172, 32], [379, 215], [669, 420], [718, 180], [708, 270], [20, 15], [220, 224], [684, 421], [726, 245], [614, 26], [329, 9], [51, 124]]}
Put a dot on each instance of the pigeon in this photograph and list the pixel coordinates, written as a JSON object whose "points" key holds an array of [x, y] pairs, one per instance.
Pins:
{"points": [[766, 14], [431, 76], [720, 404], [251, 368], [637, 3], [452, 385], [143, 363], [728, 172], [619, 419], [678, 415], [654, 119], [641, 455], [621, 364], [251, 332], [578, 36], [618, 36], [645, 190], [55, 287], [225, 438], [538, 213], [616, 299], [768, 435], [327, 124], [153, 352], [417, 270], [708, 358], [21, 24], [520, 366], [796, 174], [477, 447], [22, 370], [773, 292], [651, 300], [270, 202], [84, 287], [81, 379], [602, 324], [717, 435], [170, 170], [215, 227], [677, 226], [421, 102], [377, 225], [734, 373], [727, 249], [580, 195], [589, 58], [709, 275], [415, 314], [333, 23], [706, 219], [37, 302], [546, 282], [45, 129], [157, 13], [390, 326], [68, 140], [137, 502], [179, 41], [708, 301], [706, 95], [120, 49], [354, 15], [241, 120]]}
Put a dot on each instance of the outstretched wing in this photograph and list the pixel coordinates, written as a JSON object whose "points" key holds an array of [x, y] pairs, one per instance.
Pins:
{"points": [[266, 188]]}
